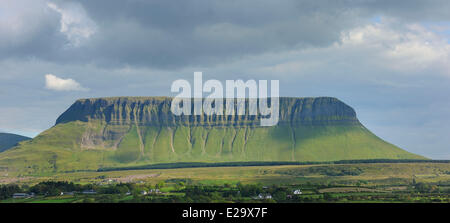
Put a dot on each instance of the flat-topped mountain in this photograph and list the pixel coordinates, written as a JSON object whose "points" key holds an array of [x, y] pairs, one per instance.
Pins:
{"points": [[126, 131]]}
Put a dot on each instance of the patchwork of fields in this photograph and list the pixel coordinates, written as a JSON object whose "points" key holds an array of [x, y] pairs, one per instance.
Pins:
{"points": [[368, 182], [369, 173]]}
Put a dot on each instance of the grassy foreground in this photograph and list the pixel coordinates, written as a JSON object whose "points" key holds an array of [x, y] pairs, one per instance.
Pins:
{"points": [[375, 182], [373, 173]]}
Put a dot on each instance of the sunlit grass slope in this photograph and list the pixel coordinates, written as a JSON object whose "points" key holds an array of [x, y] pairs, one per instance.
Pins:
{"points": [[60, 148]]}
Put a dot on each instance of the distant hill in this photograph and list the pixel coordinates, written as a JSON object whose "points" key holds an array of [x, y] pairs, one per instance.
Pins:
{"points": [[130, 131], [8, 140]]}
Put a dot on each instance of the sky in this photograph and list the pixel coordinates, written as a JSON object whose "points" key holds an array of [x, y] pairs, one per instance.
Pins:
{"points": [[389, 60]]}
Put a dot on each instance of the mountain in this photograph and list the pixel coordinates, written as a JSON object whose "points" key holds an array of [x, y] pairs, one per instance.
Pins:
{"points": [[127, 131], [8, 140]]}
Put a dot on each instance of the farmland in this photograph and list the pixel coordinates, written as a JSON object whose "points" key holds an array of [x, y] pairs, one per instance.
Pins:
{"points": [[362, 182]]}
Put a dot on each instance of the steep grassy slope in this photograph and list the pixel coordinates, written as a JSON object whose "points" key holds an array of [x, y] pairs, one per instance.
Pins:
{"points": [[112, 132], [8, 140]]}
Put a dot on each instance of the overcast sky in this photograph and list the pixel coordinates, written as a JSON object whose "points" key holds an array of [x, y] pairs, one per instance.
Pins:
{"points": [[390, 60]]}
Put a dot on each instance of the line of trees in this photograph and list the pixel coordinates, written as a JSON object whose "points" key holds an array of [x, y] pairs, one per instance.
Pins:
{"points": [[276, 163]]}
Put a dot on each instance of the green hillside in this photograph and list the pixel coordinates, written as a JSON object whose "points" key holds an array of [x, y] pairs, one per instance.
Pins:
{"points": [[114, 132], [8, 140]]}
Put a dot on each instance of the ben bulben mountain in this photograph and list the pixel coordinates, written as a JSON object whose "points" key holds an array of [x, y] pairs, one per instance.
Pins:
{"points": [[126, 131]]}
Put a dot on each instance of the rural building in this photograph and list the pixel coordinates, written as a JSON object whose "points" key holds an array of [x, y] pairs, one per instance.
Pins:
{"points": [[23, 195], [89, 192], [263, 196]]}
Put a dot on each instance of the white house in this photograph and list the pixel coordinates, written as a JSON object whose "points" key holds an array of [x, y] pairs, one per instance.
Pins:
{"points": [[155, 191], [263, 196]]}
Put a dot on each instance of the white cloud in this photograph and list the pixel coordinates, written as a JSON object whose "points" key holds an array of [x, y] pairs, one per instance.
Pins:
{"points": [[379, 51], [404, 48], [75, 23], [53, 82], [19, 24]]}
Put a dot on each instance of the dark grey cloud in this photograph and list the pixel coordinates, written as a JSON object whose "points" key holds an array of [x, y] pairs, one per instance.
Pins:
{"points": [[198, 33], [174, 34], [26, 32]]}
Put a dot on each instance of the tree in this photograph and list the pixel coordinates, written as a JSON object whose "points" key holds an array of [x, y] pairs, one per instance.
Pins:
{"points": [[280, 195], [159, 185], [6, 191], [327, 196]]}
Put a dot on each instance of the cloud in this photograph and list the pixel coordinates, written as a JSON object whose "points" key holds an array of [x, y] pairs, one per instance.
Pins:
{"points": [[55, 83], [75, 23], [395, 50], [403, 47], [174, 35], [28, 31]]}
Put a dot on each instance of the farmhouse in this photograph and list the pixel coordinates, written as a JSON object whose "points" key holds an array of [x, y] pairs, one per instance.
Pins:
{"points": [[155, 191], [263, 196], [23, 195]]}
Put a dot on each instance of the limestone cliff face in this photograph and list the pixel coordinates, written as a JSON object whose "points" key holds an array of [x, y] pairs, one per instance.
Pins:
{"points": [[155, 111]]}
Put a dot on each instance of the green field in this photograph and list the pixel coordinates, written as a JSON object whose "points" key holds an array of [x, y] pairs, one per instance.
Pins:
{"points": [[373, 173], [368, 182]]}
